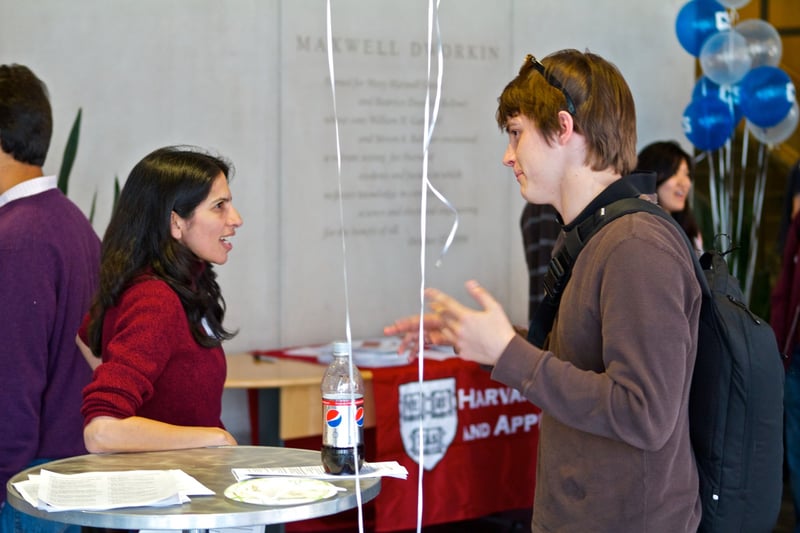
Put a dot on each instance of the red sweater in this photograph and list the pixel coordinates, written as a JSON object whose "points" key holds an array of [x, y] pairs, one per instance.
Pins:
{"points": [[152, 366]]}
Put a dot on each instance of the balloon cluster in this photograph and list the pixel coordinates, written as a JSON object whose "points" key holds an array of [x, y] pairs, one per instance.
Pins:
{"points": [[740, 79]]}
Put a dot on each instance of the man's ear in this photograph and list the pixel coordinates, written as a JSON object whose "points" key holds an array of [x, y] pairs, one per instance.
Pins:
{"points": [[175, 226], [566, 127]]}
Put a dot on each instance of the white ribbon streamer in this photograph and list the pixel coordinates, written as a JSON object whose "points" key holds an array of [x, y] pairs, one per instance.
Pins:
{"points": [[429, 126], [353, 428]]}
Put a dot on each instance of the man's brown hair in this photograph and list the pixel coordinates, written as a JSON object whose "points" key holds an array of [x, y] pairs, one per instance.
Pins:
{"points": [[604, 111]]}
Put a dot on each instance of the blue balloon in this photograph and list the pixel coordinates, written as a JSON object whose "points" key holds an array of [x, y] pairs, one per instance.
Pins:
{"points": [[730, 3], [697, 21], [708, 123], [767, 95], [728, 94]]}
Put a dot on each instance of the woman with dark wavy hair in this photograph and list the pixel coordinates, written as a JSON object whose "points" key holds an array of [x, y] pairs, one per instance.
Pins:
{"points": [[673, 168], [156, 319]]}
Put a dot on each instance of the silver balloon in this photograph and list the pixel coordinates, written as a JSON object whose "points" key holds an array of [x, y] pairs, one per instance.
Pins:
{"points": [[734, 4], [763, 42], [779, 132], [725, 58]]}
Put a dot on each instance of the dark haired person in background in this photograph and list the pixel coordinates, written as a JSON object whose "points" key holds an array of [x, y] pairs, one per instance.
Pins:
{"points": [[49, 258], [156, 319], [673, 168], [540, 230]]}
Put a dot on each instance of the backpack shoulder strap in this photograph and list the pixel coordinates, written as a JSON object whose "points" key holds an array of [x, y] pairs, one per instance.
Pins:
{"points": [[560, 267]]}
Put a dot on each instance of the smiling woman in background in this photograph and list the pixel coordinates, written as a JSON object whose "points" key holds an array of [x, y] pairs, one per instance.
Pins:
{"points": [[156, 320], [673, 168]]}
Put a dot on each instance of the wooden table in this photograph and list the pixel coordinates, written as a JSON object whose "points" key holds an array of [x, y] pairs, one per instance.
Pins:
{"points": [[288, 392], [212, 468]]}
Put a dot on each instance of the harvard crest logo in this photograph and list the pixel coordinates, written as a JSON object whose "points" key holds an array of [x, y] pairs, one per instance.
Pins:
{"points": [[432, 408]]}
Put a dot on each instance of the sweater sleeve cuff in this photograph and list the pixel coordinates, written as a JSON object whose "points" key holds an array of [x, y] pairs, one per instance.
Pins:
{"points": [[83, 331], [516, 362]]}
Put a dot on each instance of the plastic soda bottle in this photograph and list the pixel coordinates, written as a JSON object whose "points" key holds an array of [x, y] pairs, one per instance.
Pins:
{"points": [[342, 414]]}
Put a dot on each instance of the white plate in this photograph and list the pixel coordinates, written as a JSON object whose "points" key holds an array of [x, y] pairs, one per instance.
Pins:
{"points": [[280, 490]]}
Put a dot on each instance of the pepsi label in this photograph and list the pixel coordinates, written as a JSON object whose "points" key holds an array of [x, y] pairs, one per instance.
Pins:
{"points": [[342, 420]]}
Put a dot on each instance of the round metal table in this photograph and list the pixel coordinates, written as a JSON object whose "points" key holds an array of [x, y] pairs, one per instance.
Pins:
{"points": [[212, 468]]}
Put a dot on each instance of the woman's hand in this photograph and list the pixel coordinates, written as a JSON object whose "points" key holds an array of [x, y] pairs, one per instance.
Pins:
{"points": [[408, 327]]}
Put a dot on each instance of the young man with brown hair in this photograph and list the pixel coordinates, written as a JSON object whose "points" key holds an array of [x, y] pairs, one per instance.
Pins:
{"points": [[613, 377]]}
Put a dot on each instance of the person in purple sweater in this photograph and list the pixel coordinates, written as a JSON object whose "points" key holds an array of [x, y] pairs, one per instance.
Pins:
{"points": [[49, 260], [613, 377], [156, 320]]}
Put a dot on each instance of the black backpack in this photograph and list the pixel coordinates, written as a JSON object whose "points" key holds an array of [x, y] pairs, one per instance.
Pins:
{"points": [[736, 396]]}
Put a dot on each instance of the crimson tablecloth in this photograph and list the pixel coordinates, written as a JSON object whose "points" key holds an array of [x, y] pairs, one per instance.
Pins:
{"points": [[479, 445]]}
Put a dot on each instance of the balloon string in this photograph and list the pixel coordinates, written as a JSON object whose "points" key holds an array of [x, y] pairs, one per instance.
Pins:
{"points": [[758, 203], [353, 426], [429, 126], [733, 15], [725, 185], [712, 194], [742, 180], [723, 189], [430, 123]]}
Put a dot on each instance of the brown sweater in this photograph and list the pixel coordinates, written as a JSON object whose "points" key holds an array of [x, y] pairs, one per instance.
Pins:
{"points": [[614, 451]]}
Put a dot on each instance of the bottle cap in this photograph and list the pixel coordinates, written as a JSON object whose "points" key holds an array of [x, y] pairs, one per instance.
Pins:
{"points": [[340, 349]]}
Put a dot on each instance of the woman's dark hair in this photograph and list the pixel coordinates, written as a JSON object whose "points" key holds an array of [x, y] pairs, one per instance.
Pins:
{"points": [[664, 158], [138, 240]]}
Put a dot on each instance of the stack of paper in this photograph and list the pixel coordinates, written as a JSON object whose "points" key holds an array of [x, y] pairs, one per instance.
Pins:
{"points": [[373, 353], [51, 491], [379, 469]]}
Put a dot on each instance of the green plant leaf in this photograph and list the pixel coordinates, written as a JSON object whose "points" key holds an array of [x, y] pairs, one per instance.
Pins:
{"points": [[69, 154], [116, 193], [92, 209]]}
